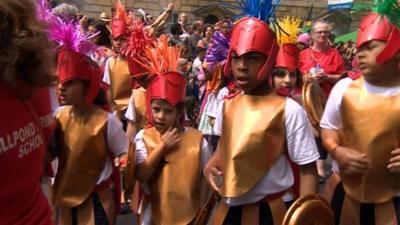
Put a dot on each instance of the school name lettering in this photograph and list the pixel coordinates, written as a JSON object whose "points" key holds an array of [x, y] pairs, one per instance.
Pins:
{"points": [[28, 139]]}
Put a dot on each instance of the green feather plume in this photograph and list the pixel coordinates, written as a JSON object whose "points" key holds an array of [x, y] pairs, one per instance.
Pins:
{"points": [[388, 8]]}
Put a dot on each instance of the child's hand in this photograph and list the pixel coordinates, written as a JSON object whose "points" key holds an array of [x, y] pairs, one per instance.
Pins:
{"points": [[350, 161], [212, 175], [123, 160], [394, 162], [170, 138]]}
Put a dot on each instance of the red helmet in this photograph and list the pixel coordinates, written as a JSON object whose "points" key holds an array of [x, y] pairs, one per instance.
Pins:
{"points": [[377, 27], [118, 28], [253, 35], [119, 23], [71, 65], [288, 57], [170, 86]]}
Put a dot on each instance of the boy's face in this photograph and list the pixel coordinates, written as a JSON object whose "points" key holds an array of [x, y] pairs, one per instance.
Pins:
{"points": [[72, 92], [164, 115], [245, 69], [119, 42], [366, 56], [285, 79]]}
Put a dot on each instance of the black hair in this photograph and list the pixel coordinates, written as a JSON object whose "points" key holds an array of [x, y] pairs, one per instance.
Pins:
{"points": [[280, 71], [205, 29], [100, 98], [104, 34], [176, 29]]}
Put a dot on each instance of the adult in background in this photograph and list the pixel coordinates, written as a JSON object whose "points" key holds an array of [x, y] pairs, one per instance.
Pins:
{"points": [[194, 38], [207, 35], [102, 40], [184, 23], [323, 64], [26, 72], [66, 12]]}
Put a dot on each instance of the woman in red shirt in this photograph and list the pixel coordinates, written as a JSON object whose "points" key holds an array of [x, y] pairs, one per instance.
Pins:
{"points": [[25, 114]]}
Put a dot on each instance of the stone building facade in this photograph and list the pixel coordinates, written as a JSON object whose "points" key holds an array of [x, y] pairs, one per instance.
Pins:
{"points": [[211, 10], [199, 9]]}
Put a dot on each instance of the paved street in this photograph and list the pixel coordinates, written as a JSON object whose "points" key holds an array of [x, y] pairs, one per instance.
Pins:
{"points": [[127, 219]]}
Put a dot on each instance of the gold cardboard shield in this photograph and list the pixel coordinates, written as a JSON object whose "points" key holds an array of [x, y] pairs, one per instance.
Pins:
{"points": [[311, 209], [314, 102], [129, 170]]}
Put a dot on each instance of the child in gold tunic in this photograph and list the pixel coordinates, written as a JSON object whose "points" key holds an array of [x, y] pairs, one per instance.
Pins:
{"points": [[87, 138], [361, 126], [169, 156], [259, 132]]}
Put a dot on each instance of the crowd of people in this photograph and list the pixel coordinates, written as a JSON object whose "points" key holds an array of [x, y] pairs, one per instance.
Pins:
{"points": [[194, 123]]}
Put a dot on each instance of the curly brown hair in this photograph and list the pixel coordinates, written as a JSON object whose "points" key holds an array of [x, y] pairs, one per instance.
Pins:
{"points": [[25, 51]]}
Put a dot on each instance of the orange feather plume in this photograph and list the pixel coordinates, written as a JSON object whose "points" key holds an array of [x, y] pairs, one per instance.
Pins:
{"points": [[121, 14], [160, 59]]}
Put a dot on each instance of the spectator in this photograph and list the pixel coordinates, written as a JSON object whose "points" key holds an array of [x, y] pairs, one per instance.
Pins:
{"points": [[207, 35], [323, 64], [26, 73], [103, 40], [194, 38], [66, 12]]}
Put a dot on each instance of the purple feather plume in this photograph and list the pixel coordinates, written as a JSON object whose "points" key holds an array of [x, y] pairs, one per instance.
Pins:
{"points": [[217, 51], [69, 36], [43, 12]]}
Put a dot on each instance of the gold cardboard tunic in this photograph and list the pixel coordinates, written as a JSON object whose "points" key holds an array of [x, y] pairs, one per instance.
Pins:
{"points": [[120, 86], [253, 137], [371, 125], [82, 156], [175, 189], [139, 96]]}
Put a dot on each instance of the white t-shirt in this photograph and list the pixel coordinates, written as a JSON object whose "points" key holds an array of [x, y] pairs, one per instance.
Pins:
{"points": [[301, 147], [106, 76], [117, 142], [214, 101], [332, 117], [196, 67], [130, 111]]}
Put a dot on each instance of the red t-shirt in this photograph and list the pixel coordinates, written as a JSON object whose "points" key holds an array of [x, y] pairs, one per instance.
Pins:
{"points": [[331, 61], [22, 151]]}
